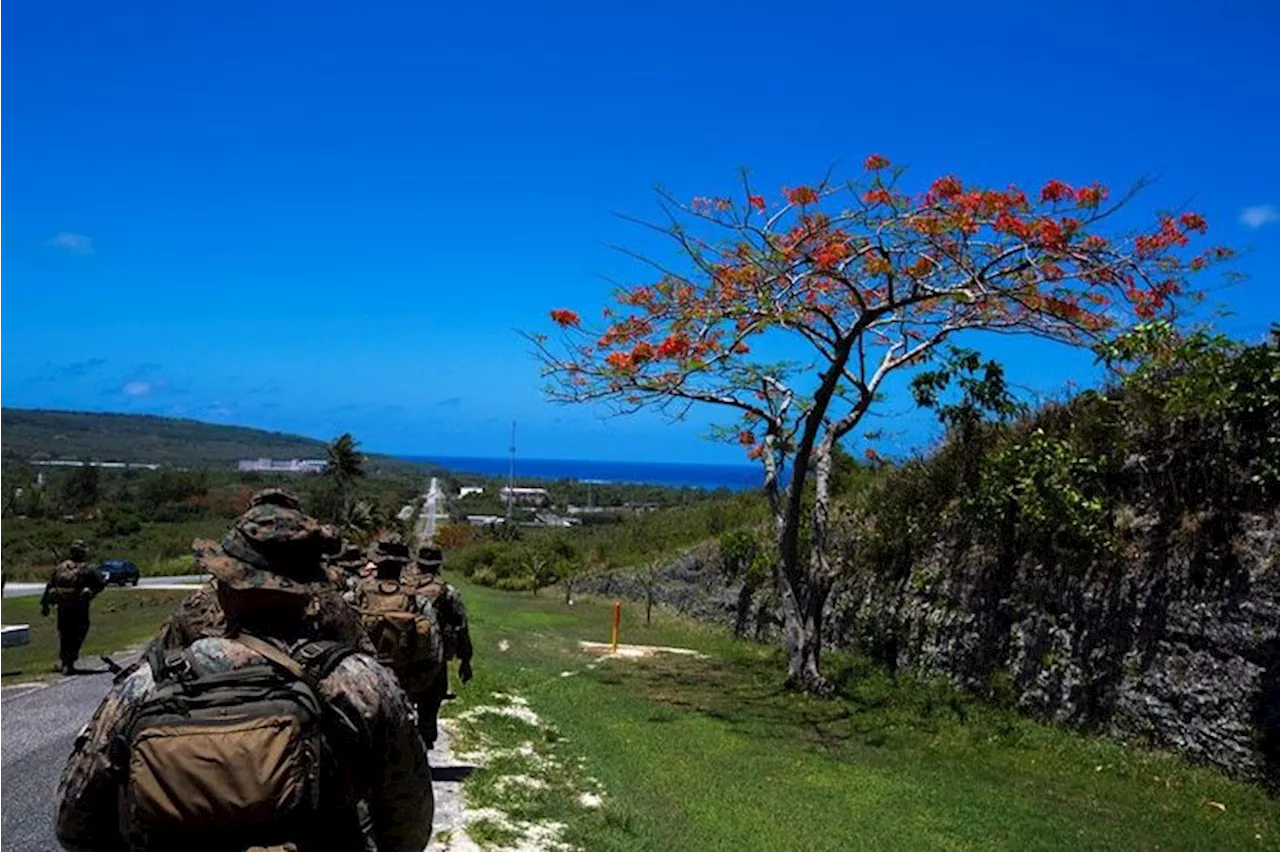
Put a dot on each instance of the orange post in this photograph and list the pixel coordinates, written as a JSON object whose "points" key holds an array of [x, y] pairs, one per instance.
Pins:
{"points": [[617, 626]]}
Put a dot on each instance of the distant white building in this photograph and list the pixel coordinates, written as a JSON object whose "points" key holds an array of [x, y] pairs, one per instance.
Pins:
{"points": [[112, 465], [468, 490], [281, 465], [526, 496]]}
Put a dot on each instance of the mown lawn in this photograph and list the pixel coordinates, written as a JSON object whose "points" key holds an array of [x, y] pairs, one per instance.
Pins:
{"points": [[709, 754], [120, 618]]}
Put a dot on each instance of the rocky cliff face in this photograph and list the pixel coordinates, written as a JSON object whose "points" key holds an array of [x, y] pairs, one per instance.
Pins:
{"points": [[1174, 643]]}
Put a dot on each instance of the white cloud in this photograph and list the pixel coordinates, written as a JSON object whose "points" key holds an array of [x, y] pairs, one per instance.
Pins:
{"points": [[137, 389], [69, 242], [1259, 215]]}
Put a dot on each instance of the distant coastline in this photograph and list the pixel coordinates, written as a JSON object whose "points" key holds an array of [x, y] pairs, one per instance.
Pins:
{"points": [[735, 477]]}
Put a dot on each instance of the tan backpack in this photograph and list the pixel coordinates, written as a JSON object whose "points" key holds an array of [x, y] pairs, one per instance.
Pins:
{"points": [[255, 757], [406, 641]]}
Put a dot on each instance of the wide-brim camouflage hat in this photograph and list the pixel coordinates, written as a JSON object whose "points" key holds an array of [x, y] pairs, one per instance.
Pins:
{"points": [[389, 550], [269, 547], [430, 556]]}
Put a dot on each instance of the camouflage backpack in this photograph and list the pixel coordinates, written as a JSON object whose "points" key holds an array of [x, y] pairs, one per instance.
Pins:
{"points": [[407, 641], [255, 757]]}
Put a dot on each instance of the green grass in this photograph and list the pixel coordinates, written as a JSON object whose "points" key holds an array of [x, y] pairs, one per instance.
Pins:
{"points": [[707, 754], [119, 619]]}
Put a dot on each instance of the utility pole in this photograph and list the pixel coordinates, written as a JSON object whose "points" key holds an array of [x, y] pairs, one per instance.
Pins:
{"points": [[511, 472]]}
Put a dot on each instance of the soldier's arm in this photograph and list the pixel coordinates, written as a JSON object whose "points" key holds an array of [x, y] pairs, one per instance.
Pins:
{"points": [[462, 626], [86, 800], [92, 581], [401, 805]]}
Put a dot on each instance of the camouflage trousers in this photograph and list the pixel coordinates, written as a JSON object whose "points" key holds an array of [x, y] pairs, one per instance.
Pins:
{"points": [[73, 627], [427, 703]]}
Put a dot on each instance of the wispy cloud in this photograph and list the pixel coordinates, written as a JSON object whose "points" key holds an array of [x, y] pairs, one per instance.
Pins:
{"points": [[78, 369], [452, 400], [137, 389], [71, 243], [1259, 215]]}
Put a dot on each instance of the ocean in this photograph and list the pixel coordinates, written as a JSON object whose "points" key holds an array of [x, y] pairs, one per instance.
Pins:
{"points": [[735, 477]]}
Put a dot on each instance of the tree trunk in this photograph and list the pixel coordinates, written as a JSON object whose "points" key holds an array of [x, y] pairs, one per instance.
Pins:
{"points": [[804, 586], [648, 609], [568, 592]]}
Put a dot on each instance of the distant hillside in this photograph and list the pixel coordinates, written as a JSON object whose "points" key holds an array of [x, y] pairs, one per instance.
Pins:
{"points": [[28, 434]]}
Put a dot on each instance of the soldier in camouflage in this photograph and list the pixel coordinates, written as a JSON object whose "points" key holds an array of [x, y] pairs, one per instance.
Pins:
{"points": [[73, 585], [266, 570], [451, 615], [199, 615]]}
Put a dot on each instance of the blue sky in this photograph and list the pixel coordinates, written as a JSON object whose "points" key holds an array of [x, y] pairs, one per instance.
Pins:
{"points": [[331, 217]]}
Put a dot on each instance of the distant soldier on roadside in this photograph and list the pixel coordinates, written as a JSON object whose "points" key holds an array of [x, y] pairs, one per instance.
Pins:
{"points": [[73, 585], [267, 737], [199, 615], [402, 626], [451, 614]]}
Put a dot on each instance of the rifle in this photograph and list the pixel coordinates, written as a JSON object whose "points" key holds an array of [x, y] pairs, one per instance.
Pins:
{"points": [[111, 664]]}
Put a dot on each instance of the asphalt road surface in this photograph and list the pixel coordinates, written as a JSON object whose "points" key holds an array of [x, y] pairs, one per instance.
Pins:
{"points": [[37, 727], [188, 581]]}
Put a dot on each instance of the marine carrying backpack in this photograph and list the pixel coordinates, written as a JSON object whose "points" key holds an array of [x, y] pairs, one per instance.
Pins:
{"points": [[255, 757], [406, 641]]}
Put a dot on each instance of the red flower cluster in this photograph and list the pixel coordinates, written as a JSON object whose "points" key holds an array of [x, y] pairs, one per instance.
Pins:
{"points": [[1056, 190], [879, 195], [756, 201], [1091, 196], [675, 346], [746, 437], [875, 162], [565, 318], [801, 195], [944, 188]]}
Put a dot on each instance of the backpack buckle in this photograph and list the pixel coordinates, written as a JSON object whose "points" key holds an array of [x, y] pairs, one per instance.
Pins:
{"points": [[177, 665], [310, 652]]}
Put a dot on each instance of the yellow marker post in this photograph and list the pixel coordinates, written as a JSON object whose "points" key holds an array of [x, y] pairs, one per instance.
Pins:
{"points": [[617, 626]]}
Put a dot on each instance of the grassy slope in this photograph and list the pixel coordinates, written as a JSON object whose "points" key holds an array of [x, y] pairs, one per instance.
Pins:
{"points": [[709, 754], [119, 619]]}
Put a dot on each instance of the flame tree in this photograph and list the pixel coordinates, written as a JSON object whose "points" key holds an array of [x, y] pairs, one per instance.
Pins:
{"points": [[859, 279]]}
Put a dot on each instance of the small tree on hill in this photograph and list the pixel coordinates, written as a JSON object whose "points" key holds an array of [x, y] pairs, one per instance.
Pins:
{"points": [[855, 281]]}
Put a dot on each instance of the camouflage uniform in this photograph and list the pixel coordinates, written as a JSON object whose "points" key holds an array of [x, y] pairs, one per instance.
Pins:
{"points": [[199, 616], [270, 547], [73, 585], [390, 558], [451, 614]]}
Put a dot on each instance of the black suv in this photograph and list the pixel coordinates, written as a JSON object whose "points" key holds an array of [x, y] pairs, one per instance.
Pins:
{"points": [[119, 571]]}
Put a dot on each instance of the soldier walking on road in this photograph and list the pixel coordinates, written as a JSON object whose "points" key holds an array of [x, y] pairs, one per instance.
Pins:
{"points": [[402, 626], [451, 614], [73, 585], [263, 737]]}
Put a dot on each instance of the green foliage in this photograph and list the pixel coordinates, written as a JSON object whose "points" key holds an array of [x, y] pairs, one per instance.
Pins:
{"points": [[81, 487], [574, 551], [1194, 423], [1044, 485], [1216, 400]]}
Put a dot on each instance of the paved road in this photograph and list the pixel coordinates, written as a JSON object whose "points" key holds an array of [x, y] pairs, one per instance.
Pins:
{"points": [[37, 727], [187, 581]]}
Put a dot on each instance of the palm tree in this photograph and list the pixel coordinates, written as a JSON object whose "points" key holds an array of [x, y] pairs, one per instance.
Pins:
{"points": [[344, 465], [345, 462]]}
